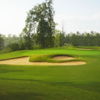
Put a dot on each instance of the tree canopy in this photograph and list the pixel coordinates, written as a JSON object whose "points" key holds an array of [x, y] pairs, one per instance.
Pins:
{"points": [[40, 21], [1, 42]]}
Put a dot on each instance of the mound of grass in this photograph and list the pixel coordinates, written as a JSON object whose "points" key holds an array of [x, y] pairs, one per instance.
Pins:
{"points": [[89, 47], [48, 58]]}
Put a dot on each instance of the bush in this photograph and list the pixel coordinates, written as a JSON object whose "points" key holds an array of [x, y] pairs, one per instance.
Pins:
{"points": [[22, 46], [5, 50], [36, 47], [14, 46]]}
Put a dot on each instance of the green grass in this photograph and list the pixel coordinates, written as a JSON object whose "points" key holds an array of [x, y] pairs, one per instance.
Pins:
{"points": [[90, 47], [48, 58], [48, 51], [51, 82]]}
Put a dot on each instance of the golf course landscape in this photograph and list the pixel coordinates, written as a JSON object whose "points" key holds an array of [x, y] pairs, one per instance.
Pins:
{"points": [[49, 49], [51, 82]]}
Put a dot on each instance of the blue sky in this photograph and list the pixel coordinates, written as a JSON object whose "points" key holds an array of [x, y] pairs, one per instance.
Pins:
{"points": [[74, 15]]}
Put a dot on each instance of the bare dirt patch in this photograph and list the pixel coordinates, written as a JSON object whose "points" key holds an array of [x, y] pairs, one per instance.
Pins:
{"points": [[25, 61], [62, 58]]}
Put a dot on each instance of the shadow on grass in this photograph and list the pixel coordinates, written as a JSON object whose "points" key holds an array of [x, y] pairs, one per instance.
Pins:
{"points": [[93, 86], [20, 79], [7, 71], [21, 96]]}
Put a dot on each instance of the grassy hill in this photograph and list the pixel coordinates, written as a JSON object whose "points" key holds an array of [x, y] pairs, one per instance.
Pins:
{"points": [[51, 82]]}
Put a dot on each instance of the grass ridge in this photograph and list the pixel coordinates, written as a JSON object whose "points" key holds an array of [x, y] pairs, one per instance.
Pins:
{"points": [[48, 58]]}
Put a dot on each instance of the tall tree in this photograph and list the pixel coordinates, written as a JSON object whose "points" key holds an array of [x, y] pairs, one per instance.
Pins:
{"points": [[40, 20], [46, 24], [29, 29], [1, 42], [62, 37], [51, 23], [42, 33]]}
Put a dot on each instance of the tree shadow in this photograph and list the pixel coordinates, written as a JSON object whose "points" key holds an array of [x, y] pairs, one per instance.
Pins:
{"points": [[20, 79], [93, 86], [21, 96], [7, 71]]}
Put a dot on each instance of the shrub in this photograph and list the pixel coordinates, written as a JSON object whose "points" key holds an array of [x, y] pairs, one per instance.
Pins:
{"points": [[14, 46], [22, 46], [6, 50], [36, 47]]}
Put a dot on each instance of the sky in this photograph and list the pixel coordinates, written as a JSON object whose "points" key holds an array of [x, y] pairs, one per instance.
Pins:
{"points": [[73, 15]]}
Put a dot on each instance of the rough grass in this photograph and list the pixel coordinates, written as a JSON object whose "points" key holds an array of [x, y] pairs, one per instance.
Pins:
{"points": [[51, 82], [89, 47], [48, 58]]}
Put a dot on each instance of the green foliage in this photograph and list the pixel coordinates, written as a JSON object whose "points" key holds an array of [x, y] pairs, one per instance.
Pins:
{"points": [[14, 46], [77, 39], [12, 39], [1, 42], [70, 46], [28, 29], [45, 39], [42, 33], [22, 46], [36, 47], [61, 39], [6, 50], [84, 39], [28, 42], [40, 19]]}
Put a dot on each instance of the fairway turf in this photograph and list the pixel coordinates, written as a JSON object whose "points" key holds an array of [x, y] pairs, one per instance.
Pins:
{"points": [[51, 82]]}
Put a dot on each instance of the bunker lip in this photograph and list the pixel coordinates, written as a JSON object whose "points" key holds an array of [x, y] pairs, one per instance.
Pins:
{"points": [[62, 57], [84, 49], [25, 61]]}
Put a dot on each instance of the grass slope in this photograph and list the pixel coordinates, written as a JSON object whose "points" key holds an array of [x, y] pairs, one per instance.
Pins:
{"points": [[48, 51], [48, 58], [51, 82]]}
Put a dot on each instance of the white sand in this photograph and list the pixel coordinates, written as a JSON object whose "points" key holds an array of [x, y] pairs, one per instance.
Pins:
{"points": [[25, 61]]}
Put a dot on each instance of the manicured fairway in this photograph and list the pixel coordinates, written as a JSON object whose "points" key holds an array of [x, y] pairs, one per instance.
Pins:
{"points": [[51, 82]]}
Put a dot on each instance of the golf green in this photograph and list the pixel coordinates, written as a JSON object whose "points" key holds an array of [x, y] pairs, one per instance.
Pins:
{"points": [[28, 82]]}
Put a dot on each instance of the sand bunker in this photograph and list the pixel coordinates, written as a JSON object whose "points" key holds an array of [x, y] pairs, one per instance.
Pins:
{"points": [[84, 49], [25, 61], [62, 58]]}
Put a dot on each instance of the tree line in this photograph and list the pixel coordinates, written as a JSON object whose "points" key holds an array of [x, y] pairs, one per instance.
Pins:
{"points": [[80, 39], [60, 39], [40, 32]]}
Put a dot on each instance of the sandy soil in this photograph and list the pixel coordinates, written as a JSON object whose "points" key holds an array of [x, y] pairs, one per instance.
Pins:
{"points": [[25, 61]]}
